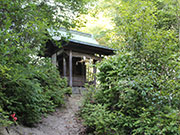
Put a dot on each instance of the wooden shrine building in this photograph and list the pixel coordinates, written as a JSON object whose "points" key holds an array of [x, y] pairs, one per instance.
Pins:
{"points": [[72, 57]]}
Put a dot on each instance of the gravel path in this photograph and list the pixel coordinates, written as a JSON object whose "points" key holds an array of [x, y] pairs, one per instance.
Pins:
{"points": [[63, 121]]}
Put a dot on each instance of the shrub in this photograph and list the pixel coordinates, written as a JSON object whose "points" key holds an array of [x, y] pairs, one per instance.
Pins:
{"points": [[130, 100], [99, 119], [31, 91], [4, 118]]}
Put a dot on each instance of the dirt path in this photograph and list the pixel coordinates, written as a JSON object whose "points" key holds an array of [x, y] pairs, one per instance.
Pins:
{"points": [[62, 122]]}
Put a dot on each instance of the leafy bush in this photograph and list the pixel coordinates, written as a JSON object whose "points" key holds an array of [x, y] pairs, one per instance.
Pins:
{"points": [[4, 118], [32, 91], [29, 86], [130, 101], [98, 118]]}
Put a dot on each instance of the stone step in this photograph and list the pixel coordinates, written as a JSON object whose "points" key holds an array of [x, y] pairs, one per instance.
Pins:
{"points": [[78, 90]]}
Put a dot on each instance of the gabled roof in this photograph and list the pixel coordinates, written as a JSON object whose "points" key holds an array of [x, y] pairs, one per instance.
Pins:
{"points": [[73, 35], [81, 41]]}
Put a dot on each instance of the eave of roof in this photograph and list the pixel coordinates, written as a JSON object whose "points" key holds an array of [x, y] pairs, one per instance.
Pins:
{"points": [[91, 44]]}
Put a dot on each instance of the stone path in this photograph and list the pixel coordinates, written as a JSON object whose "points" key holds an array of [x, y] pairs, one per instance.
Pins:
{"points": [[63, 121]]}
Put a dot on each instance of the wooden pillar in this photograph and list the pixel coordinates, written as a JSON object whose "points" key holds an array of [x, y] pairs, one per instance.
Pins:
{"points": [[84, 72], [54, 59], [94, 71], [100, 56], [64, 65], [70, 68]]}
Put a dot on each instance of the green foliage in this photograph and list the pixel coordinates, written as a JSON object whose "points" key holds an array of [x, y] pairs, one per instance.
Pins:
{"points": [[139, 87], [29, 85], [4, 118], [130, 102], [32, 91], [52, 83], [98, 119]]}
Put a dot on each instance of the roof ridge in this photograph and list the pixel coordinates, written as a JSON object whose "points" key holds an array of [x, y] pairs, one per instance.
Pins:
{"points": [[77, 32]]}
